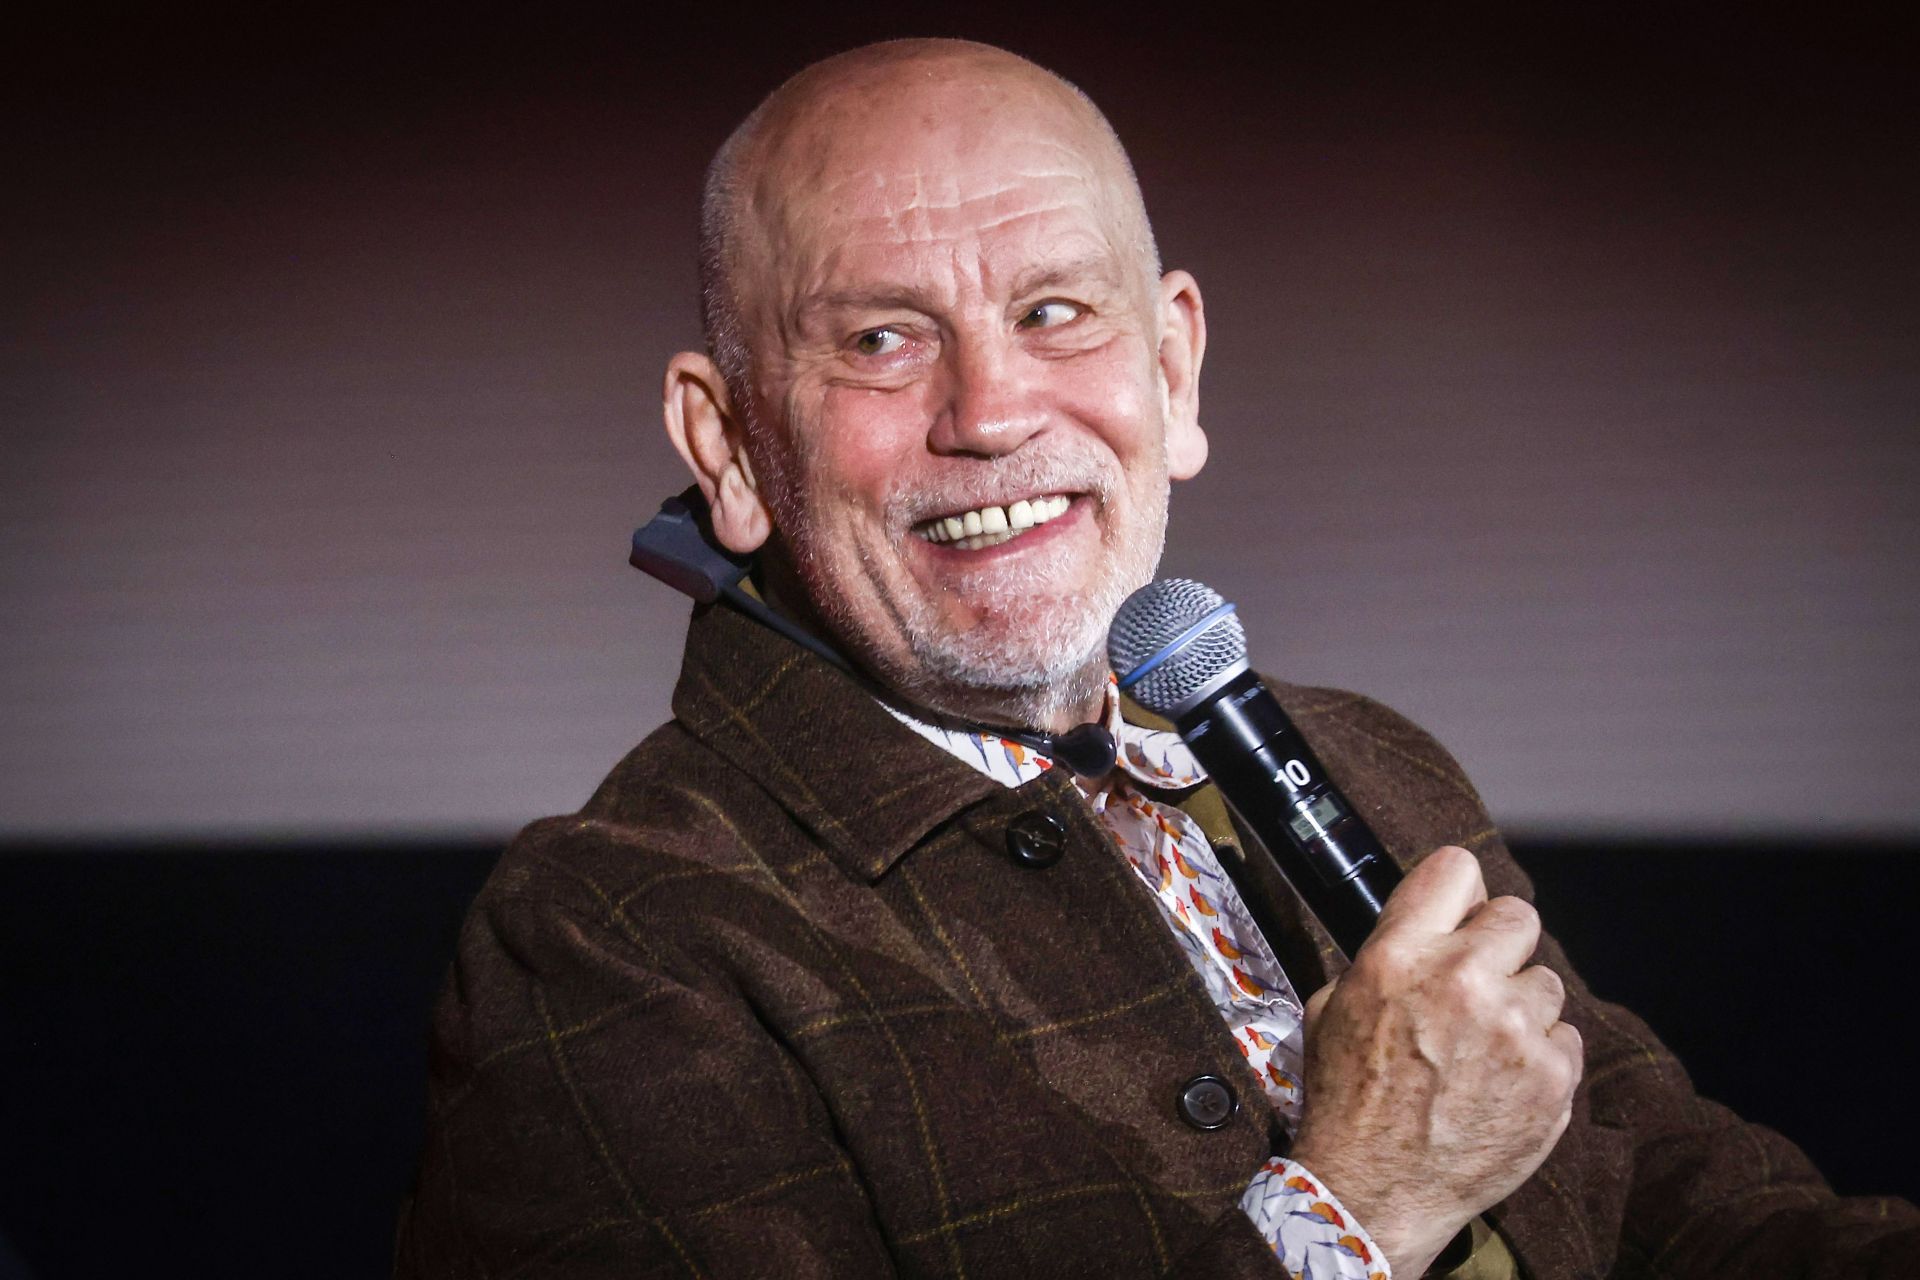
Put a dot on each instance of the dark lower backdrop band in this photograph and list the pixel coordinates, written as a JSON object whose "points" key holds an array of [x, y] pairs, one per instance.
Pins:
{"points": [[223, 1047]]}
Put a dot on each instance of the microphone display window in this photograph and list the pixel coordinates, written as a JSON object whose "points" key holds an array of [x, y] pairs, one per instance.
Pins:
{"points": [[1316, 816]]}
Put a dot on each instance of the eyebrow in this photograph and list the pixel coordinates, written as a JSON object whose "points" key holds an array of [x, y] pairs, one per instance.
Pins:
{"points": [[882, 298], [1100, 269], [1097, 268]]}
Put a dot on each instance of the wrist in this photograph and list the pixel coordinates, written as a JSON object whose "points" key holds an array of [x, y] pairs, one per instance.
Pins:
{"points": [[1399, 1216], [1309, 1228]]}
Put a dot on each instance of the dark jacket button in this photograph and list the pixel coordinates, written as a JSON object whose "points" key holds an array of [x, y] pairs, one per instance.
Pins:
{"points": [[1207, 1102], [1036, 839]]}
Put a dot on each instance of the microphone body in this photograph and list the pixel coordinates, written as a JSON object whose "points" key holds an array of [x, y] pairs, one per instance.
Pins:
{"points": [[1178, 649], [1276, 784]]}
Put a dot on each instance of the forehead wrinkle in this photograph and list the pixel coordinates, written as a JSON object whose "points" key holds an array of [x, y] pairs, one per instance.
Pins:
{"points": [[918, 208], [908, 202], [922, 182], [950, 270], [823, 155], [929, 209]]}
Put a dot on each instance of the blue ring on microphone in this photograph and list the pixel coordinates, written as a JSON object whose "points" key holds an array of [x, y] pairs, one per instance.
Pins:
{"points": [[1173, 646]]}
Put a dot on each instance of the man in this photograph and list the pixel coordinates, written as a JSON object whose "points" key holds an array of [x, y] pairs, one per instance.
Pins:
{"points": [[833, 976]]}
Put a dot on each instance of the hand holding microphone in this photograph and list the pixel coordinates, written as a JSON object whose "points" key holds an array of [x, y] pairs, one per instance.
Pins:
{"points": [[1438, 1073]]}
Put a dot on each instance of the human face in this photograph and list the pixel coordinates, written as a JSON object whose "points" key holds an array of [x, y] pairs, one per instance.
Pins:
{"points": [[963, 409]]}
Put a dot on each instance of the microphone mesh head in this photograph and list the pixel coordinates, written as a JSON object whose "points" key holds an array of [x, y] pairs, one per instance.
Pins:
{"points": [[1154, 617]]}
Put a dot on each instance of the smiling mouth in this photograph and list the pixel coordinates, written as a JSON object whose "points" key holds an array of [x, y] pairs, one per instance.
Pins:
{"points": [[990, 526]]}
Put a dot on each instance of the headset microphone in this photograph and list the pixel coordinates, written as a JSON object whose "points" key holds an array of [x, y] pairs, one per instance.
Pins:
{"points": [[678, 547]]}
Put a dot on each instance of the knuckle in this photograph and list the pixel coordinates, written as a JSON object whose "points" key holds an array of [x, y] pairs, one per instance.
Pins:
{"points": [[1517, 1024], [1563, 1072], [1455, 861], [1510, 913], [1463, 985], [1567, 1063]]}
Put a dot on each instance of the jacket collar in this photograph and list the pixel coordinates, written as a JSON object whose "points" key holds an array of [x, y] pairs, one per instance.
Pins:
{"points": [[866, 786], [863, 784]]}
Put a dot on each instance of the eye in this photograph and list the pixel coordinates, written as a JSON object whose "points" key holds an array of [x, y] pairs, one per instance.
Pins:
{"points": [[1047, 315], [879, 342]]}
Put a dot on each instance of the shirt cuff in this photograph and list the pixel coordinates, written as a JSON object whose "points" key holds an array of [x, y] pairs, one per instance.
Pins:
{"points": [[1307, 1228]]}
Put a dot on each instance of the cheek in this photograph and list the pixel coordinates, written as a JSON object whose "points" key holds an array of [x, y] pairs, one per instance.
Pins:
{"points": [[863, 441], [1113, 392]]}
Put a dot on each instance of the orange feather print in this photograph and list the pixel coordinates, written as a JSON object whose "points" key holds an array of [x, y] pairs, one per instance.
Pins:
{"points": [[1201, 904], [1281, 1078], [1298, 1183], [1231, 952], [1321, 1209], [1254, 1036], [1246, 981], [1186, 868], [1357, 1247]]}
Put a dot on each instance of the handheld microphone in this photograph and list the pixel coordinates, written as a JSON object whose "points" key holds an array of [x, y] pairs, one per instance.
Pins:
{"points": [[1179, 650]]}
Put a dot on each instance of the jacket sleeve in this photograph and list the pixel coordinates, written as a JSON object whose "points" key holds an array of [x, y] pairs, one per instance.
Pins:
{"points": [[1651, 1179], [600, 1107], [1712, 1196]]}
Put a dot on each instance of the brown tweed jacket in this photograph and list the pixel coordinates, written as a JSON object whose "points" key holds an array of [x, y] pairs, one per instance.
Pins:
{"points": [[779, 1001]]}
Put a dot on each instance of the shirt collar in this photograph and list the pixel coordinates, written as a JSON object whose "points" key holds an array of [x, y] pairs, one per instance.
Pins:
{"points": [[1155, 758]]}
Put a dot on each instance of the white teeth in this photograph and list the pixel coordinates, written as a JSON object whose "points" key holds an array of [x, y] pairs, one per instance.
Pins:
{"points": [[990, 526], [980, 540]]}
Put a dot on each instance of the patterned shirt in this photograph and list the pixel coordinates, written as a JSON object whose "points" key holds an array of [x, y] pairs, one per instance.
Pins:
{"points": [[1309, 1230]]}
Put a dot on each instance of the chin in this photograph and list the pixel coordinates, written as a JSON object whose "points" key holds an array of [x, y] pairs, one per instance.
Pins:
{"points": [[1033, 675], [1035, 653]]}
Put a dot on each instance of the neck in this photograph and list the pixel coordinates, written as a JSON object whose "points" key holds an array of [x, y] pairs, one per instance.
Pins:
{"points": [[1079, 698]]}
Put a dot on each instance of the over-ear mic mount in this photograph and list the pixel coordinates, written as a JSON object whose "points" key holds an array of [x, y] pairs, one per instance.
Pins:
{"points": [[678, 547]]}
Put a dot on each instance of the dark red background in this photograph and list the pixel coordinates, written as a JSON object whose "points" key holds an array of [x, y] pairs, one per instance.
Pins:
{"points": [[1562, 392]]}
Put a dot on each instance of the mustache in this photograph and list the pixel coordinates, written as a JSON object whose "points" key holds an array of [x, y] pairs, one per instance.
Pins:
{"points": [[995, 481]]}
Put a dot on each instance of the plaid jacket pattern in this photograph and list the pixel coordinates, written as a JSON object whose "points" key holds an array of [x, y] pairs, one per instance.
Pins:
{"points": [[779, 1000]]}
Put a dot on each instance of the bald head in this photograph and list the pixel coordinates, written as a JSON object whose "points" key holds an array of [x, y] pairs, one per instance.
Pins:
{"points": [[947, 387], [861, 116]]}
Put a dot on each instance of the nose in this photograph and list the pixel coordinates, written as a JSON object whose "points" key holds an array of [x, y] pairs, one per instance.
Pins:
{"points": [[991, 401]]}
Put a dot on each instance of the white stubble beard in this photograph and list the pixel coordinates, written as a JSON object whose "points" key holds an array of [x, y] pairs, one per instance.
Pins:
{"points": [[1034, 661]]}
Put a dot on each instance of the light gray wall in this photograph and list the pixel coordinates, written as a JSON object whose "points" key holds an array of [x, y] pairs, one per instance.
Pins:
{"points": [[1571, 409]]}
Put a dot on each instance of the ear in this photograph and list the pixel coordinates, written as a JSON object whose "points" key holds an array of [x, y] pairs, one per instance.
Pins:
{"points": [[710, 437], [1183, 343]]}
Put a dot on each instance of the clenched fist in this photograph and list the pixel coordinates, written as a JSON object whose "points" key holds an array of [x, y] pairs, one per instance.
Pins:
{"points": [[1439, 1074]]}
